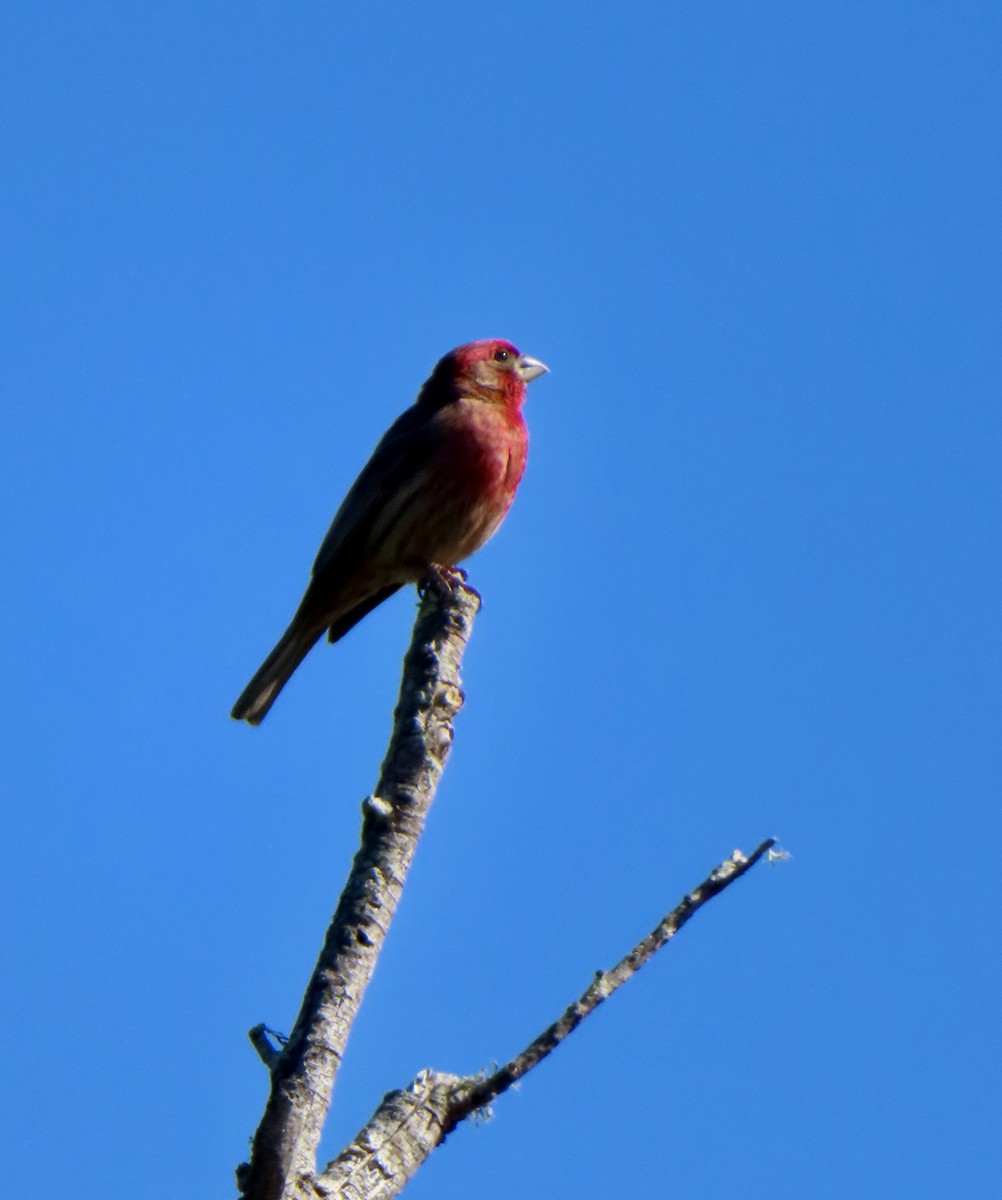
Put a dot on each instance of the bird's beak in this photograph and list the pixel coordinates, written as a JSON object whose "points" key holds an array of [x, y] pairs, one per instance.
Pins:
{"points": [[531, 368]]}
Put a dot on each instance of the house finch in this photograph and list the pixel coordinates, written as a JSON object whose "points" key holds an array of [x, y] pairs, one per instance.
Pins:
{"points": [[435, 489]]}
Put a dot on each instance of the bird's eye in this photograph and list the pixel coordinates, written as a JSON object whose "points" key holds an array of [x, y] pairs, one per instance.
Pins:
{"points": [[501, 356]]}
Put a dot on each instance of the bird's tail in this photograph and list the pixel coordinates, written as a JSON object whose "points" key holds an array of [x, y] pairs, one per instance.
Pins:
{"points": [[274, 673]]}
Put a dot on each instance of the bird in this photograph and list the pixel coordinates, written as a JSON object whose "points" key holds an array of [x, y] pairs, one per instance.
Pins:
{"points": [[437, 486]]}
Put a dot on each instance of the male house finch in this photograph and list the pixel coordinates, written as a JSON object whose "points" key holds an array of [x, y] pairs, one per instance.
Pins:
{"points": [[435, 489]]}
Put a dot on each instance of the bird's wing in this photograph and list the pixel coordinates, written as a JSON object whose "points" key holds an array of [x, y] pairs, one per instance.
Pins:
{"points": [[384, 482]]}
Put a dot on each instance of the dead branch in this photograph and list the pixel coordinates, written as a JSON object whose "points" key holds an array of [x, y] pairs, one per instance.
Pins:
{"points": [[283, 1154], [409, 1124]]}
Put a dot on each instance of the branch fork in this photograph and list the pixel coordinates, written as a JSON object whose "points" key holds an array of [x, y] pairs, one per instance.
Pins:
{"points": [[411, 1122]]}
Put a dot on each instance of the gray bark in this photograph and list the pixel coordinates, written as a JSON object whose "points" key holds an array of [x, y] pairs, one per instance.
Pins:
{"points": [[410, 1123], [283, 1154]]}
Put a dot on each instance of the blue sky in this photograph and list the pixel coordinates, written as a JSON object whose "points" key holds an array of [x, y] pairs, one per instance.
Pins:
{"points": [[750, 585]]}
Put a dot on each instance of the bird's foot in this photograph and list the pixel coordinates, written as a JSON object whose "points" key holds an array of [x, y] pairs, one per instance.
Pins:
{"points": [[444, 580]]}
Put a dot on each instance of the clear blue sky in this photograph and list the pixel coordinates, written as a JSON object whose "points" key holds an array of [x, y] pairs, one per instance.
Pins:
{"points": [[751, 584]]}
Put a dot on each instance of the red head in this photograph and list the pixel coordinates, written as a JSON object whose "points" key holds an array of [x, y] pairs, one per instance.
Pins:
{"points": [[492, 369]]}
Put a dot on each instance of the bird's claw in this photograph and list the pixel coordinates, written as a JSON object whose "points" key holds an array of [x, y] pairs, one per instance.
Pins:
{"points": [[443, 580]]}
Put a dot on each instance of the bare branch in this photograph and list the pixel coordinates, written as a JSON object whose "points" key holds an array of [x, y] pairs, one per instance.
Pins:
{"points": [[409, 1124], [283, 1156], [261, 1042], [607, 982], [405, 1129]]}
